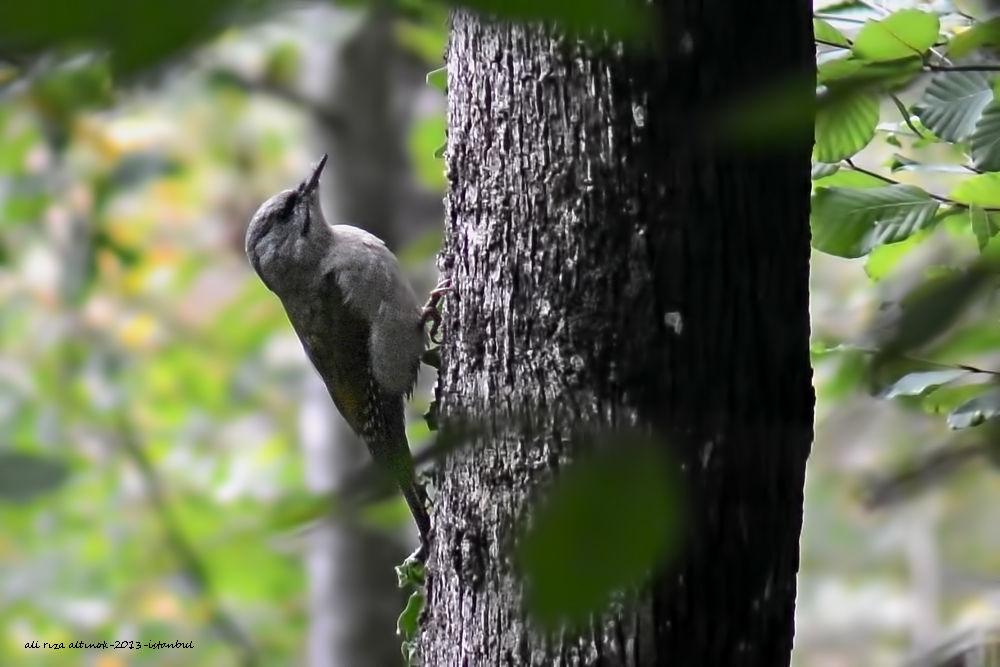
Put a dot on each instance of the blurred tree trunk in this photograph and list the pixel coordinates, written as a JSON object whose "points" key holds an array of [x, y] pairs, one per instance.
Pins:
{"points": [[372, 88], [615, 265]]}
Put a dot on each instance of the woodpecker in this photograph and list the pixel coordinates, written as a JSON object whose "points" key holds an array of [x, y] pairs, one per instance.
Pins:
{"points": [[357, 317]]}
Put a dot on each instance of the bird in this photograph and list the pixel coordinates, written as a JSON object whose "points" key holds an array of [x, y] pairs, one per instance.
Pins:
{"points": [[357, 317]]}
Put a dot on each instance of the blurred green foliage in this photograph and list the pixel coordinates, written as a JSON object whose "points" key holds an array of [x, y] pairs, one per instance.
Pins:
{"points": [[148, 398], [904, 183], [878, 217], [614, 517]]}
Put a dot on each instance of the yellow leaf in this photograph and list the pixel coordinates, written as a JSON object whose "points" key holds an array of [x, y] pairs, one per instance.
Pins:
{"points": [[164, 256], [108, 264], [162, 606], [125, 232], [134, 281], [138, 332]]}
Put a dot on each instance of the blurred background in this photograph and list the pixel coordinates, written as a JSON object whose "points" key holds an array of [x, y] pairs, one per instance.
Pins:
{"points": [[163, 442]]}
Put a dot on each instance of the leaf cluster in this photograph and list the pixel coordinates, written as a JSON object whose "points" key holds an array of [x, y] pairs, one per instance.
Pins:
{"points": [[865, 69]]}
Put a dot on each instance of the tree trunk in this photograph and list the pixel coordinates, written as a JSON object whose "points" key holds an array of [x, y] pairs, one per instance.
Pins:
{"points": [[614, 265]]}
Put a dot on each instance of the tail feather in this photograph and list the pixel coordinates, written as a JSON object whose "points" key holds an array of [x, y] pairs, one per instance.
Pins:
{"points": [[417, 501], [385, 435]]}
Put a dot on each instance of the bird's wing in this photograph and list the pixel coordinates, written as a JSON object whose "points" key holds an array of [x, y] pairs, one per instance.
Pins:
{"points": [[335, 337]]}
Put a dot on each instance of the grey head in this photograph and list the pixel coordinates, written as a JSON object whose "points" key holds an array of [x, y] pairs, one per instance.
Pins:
{"points": [[282, 229]]}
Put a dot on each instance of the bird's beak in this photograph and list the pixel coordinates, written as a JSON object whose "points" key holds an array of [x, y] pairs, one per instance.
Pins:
{"points": [[310, 184]]}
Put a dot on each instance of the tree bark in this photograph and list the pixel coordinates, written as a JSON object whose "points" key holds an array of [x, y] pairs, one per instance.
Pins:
{"points": [[614, 265]]}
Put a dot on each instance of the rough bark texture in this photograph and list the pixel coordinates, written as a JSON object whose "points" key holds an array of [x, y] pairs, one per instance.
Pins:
{"points": [[613, 265]]}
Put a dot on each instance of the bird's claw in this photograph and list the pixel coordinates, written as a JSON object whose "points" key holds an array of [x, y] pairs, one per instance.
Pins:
{"points": [[430, 312]]}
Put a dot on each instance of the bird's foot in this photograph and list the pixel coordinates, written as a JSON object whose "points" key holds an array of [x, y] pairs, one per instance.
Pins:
{"points": [[431, 313]]}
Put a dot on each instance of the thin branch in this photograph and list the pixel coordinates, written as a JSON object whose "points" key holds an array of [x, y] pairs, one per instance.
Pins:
{"points": [[902, 133], [328, 117], [957, 367], [961, 68], [835, 17], [905, 113], [892, 181], [878, 9], [928, 362], [180, 546], [850, 163], [833, 44], [940, 56], [944, 200], [918, 475]]}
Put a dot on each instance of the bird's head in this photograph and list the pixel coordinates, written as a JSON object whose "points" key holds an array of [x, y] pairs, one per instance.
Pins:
{"points": [[288, 215]]}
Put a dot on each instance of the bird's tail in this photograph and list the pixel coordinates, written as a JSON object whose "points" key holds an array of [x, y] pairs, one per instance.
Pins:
{"points": [[390, 447], [416, 498]]}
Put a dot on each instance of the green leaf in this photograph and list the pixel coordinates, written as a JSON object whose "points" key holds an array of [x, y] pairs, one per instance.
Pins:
{"points": [[986, 33], [882, 260], [847, 377], [584, 548], [976, 338], [982, 226], [297, 510], [136, 41], [954, 220], [977, 410], [849, 178], [16, 145], [438, 79], [982, 190], [423, 248], [899, 162], [902, 163], [76, 85], [916, 384], [865, 75], [408, 622], [990, 253], [24, 476], [24, 201], [240, 562], [899, 35], [426, 41], [838, 68], [944, 400], [847, 222], [845, 126], [930, 309], [850, 8], [984, 144], [952, 103], [822, 170], [427, 134], [283, 64], [412, 572], [826, 32]]}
